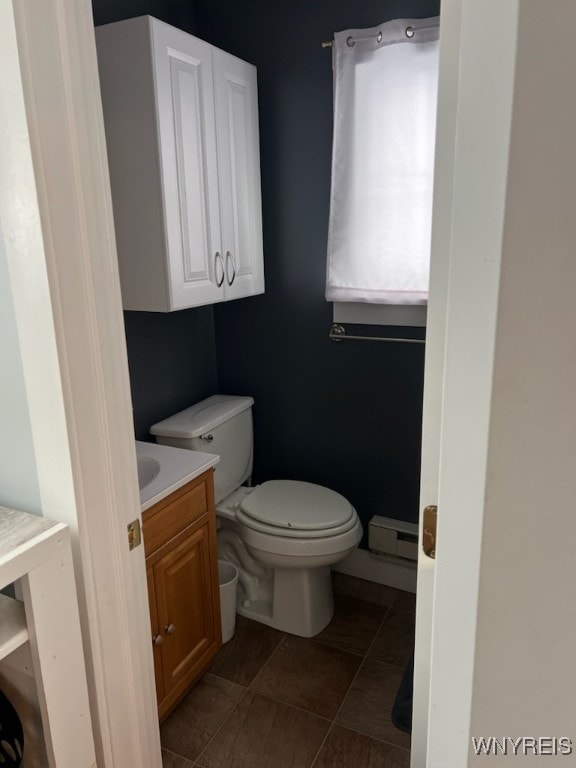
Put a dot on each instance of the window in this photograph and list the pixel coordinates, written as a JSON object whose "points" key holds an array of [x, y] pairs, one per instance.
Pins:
{"points": [[385, 83]]}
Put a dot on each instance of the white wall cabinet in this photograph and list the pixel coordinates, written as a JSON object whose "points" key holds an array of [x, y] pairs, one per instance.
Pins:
{"points": [[181, 119]]}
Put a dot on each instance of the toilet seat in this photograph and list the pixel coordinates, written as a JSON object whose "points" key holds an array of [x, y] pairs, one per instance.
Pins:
{"points": [[289, 551], [294, 509]]}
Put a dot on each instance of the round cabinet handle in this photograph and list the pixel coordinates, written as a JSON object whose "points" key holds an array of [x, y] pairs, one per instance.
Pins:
{"points": [[218, 258], [170, 629], [230, 260], [157, 640]]}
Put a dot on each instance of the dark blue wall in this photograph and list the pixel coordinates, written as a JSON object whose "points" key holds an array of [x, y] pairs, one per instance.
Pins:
{"points": [[172, 361], [346, 415], [179, 13]]}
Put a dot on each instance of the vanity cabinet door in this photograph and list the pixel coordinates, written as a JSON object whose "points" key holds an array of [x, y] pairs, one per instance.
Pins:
{"points": [[186, 608], [236, 104], [182, 570], [157, 638]]}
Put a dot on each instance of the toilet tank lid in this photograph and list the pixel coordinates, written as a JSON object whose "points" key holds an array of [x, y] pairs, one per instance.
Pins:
{"points": [[202, 417]]}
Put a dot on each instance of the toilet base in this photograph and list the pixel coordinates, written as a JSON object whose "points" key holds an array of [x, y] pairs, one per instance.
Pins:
{"points": [[302, 602]]}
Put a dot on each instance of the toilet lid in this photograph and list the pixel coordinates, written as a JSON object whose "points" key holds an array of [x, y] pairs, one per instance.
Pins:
{"points": [[296, 506], [294, 533]]}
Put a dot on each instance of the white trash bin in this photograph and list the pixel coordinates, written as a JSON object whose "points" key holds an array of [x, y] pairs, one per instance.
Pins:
{"points": [[228, 578]]}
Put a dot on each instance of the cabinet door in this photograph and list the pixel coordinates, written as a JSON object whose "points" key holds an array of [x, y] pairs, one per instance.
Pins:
{"points": [[186, 608], [185, 118], [155, 634], [239, 168]]}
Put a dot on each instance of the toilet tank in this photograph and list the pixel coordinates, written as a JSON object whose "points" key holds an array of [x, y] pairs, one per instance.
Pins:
{"points": [[220, 424]]}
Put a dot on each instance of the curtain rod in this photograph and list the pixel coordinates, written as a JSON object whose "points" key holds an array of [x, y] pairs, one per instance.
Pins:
{"points": [[338, 333], [409, 32]]}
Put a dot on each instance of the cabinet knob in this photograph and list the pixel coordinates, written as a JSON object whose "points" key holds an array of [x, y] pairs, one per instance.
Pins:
{"points": [[157, 640], [230, 260], [218, 258], [170, 629]]}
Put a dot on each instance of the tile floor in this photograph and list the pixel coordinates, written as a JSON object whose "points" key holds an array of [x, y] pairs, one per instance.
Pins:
{"points": [[272, 700]]}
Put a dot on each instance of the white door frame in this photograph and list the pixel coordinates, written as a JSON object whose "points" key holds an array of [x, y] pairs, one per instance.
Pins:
{"points": [[435, 357], [57, 218], [498, 604]]}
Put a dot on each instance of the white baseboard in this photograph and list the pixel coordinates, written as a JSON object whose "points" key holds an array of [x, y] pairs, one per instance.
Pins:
{"points": [[364, 565]]}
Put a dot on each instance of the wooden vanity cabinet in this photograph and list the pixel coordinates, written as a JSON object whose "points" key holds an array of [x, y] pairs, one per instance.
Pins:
{"points": [[182, 573]]}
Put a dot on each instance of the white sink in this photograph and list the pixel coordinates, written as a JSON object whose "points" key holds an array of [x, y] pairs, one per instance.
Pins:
{"points": [[148, 470], [163, 469]]}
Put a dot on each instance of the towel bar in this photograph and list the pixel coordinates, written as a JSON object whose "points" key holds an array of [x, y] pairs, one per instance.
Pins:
{"points": [[338, 333]]}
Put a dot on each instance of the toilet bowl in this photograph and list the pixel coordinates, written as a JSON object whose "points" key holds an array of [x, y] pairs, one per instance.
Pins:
{"points": [[298, 530], [282, 535]]}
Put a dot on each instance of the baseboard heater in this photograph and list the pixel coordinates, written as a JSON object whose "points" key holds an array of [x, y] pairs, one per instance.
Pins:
{"points": [[394, 539]]}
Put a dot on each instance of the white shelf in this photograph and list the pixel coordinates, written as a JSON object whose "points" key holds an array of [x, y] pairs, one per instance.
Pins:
{"points": [[36, 552], [13, 630], [19, 532]]}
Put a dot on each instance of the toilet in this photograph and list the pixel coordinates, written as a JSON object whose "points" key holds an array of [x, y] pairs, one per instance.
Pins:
{"points": [[282, 535]]}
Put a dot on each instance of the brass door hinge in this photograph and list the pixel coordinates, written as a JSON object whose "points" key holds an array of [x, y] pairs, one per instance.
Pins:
{"points": [[134, 534], [429, 530]]}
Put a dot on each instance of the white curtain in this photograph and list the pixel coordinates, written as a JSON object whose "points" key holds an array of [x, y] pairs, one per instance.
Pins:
{"points": [[382, 163]]}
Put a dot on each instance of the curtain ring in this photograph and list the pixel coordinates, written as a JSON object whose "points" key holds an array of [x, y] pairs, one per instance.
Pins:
{"points": [[350, 42], [379, 37], [409, 31]]}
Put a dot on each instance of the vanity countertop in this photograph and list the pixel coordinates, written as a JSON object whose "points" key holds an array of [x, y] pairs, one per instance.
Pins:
{"points": [[163, 469]]}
